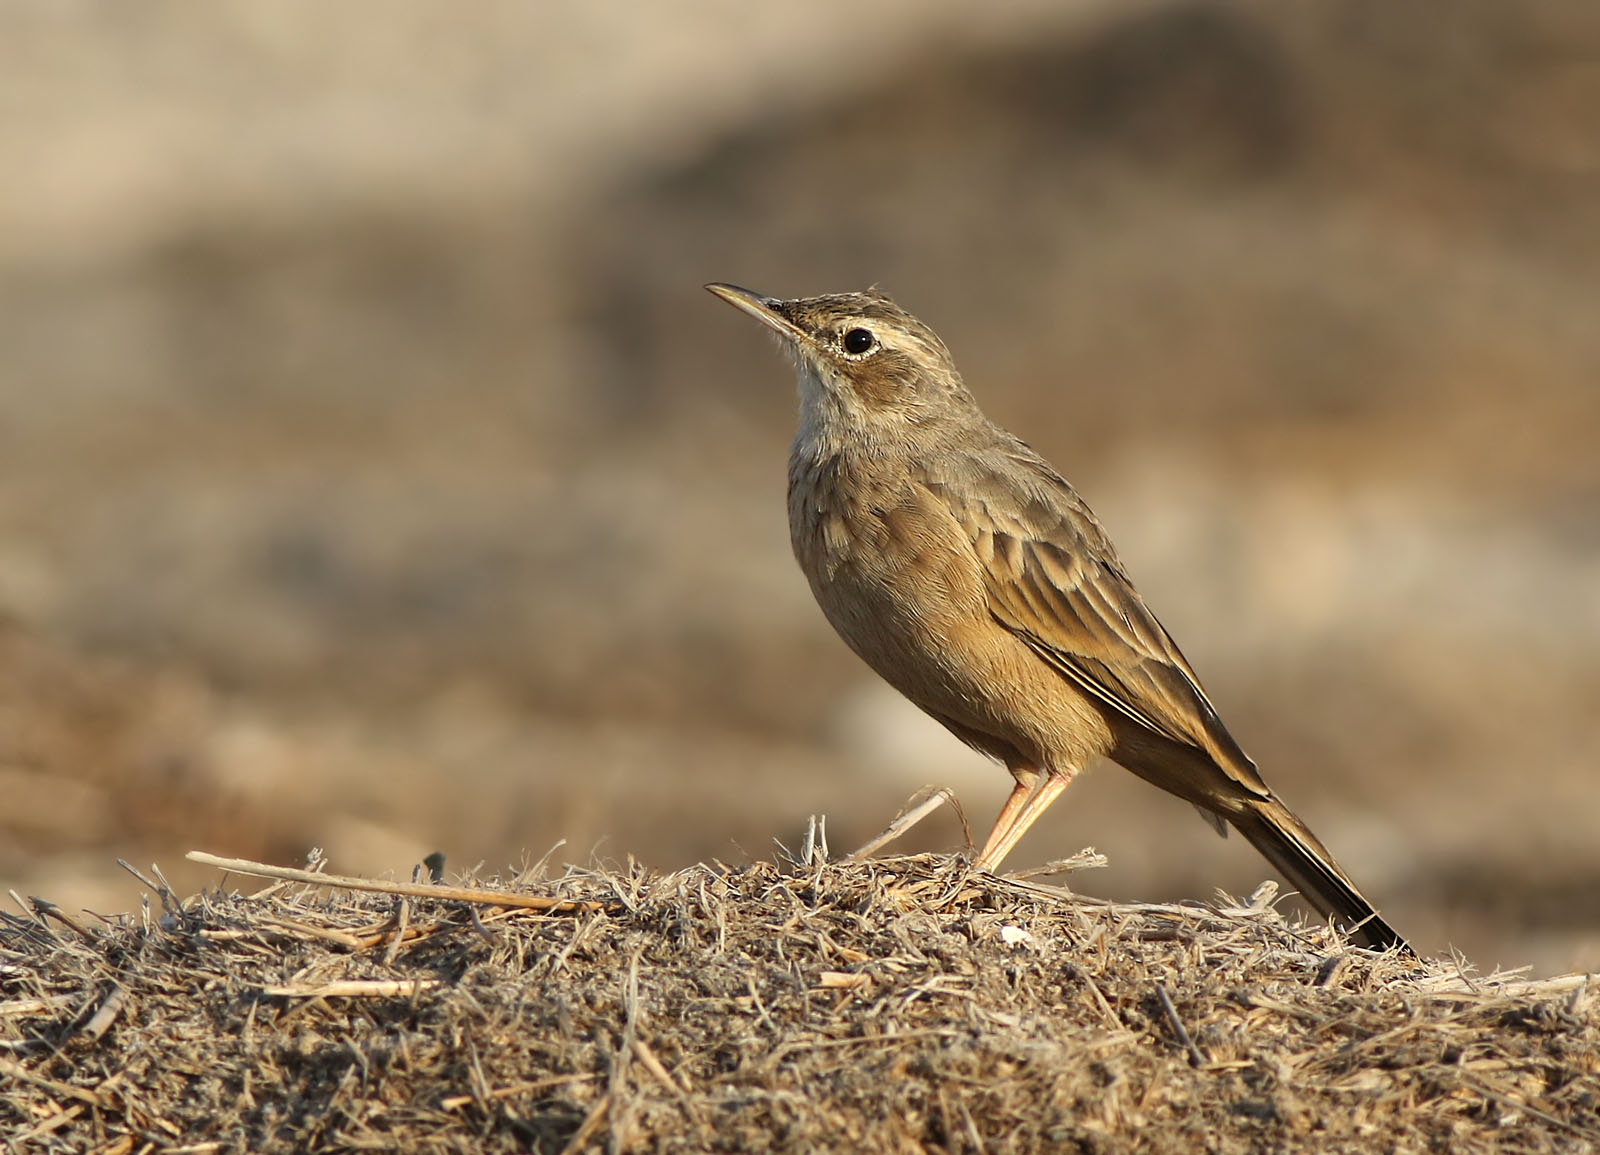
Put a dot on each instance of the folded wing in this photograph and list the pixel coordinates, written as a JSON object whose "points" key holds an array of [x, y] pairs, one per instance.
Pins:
{"points": [[1054, 580]]}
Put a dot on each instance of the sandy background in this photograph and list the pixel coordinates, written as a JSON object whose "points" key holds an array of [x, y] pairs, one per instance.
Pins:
{"points": [[375, 475]]}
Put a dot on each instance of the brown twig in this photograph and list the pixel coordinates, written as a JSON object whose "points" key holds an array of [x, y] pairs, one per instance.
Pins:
{"points": [[411, 889]]}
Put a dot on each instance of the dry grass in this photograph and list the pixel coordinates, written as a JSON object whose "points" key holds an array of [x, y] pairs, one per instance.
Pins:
{"points": [[888, 1005]]}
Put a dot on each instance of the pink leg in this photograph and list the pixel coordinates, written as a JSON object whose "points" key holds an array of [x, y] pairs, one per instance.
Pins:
{"points": [[1021, 811], [1027, 779]]}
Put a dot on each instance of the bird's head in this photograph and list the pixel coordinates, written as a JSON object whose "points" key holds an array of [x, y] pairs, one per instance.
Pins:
{"points": [[864, 363]]}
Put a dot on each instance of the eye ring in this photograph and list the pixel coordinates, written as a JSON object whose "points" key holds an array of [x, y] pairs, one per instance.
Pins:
{"points": [[858, 342]]}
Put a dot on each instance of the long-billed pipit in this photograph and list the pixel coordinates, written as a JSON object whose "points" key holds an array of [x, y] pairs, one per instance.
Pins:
{"points": [[966, 571]]}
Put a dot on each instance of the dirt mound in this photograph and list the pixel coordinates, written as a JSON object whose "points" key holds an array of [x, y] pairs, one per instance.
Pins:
{"points": [[900, 1004]]}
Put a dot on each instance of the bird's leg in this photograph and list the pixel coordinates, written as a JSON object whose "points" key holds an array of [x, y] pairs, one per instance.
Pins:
{"points": [[1027, 780], [1028, 800]]}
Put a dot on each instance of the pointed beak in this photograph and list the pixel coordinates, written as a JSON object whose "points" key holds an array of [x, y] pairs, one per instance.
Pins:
{"points": [[763, 309]]}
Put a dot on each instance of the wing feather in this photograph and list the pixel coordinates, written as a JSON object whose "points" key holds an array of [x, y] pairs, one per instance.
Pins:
{"points": [[1053, 579]]}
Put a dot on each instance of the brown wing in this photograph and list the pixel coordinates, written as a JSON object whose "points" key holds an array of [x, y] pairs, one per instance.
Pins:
{"points": [[1054, 580]]}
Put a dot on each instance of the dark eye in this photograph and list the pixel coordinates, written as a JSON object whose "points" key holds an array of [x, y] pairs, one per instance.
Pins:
{"points": [[858, 341]]}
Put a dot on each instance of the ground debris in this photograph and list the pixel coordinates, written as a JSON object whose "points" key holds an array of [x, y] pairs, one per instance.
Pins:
{"points": [[888, 1005]]}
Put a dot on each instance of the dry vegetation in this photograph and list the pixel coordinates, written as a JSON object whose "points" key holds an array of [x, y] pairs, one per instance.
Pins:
{"points": [[890, 1005]]}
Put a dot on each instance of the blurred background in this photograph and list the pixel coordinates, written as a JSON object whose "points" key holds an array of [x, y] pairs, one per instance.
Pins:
{"points": [[375, 474]]}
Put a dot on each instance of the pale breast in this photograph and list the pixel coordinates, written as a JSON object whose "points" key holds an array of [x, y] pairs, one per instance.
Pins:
{"points": [[900, 581]]}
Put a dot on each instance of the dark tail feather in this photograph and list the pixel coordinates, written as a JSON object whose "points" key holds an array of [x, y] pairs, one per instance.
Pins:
{"points": [[1286, 843]]}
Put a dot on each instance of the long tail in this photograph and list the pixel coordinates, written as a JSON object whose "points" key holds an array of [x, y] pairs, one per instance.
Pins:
{"points": [[1290, 846]]}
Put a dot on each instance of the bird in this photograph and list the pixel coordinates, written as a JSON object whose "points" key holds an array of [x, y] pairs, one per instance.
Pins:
{"points": [[969, 574]]}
